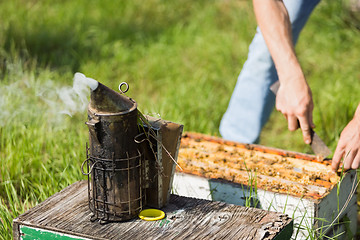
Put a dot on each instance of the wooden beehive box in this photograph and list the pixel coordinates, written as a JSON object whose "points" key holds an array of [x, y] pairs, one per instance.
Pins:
{"points": [[273, 179], [66, 216]]}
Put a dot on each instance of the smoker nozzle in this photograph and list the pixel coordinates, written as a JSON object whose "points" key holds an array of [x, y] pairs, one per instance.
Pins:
{"points": [[106, 100]]}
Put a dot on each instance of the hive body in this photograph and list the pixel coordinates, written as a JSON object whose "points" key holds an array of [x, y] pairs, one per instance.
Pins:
{"points": [[272, 179]]}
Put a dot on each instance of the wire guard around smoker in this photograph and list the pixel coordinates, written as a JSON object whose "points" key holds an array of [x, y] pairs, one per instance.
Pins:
{"points": [[114, 187]]}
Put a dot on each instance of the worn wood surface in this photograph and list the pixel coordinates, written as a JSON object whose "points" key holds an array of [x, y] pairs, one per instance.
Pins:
{"points": [[186, 218]]}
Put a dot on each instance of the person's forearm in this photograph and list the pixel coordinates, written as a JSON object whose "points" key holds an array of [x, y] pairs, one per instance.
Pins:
{"points": [[273, 20], [294, 99], [357, 114], [356, 117]]}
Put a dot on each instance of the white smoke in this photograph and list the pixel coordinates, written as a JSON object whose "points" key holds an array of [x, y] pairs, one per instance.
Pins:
{"points": [[74, 99], [27, 97], [80, 80]]}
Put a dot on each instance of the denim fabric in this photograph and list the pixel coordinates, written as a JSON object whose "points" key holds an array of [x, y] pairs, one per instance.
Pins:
{"points": [[252, 101]]}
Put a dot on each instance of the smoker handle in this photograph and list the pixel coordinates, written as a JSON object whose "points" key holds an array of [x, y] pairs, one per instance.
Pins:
{"points": [[92, 129]]}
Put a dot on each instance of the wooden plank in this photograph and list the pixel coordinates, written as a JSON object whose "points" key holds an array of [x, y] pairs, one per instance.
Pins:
{"points": [[67, 213]]}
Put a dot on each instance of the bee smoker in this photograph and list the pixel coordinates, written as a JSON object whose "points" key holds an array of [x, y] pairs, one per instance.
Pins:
{"points": [[114, 162]]}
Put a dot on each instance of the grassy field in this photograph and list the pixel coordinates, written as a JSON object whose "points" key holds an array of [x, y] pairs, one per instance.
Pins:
{"points": [[181, 60]]}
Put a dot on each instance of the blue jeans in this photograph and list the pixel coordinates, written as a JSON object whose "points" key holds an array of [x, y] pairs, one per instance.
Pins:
{"points": [[252, 101]]}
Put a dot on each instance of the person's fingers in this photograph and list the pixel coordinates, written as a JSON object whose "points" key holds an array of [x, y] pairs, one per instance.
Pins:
{"points": [[292, 123], [339, 152], [306, 129], [349, 156], [356, 162], [312, 125]]}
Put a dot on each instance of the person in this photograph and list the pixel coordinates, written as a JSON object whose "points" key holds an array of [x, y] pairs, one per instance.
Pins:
{"points": [[348, 146], [272, 58]]}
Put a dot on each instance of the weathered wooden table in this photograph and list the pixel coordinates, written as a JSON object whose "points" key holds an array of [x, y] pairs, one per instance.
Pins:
{"points": [[66, 215]]}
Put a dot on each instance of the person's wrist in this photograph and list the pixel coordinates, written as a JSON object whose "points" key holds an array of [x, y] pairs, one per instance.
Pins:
{"points": [[295, 81], [357, 112], [356, 117], [289, 68], [292, 75]]}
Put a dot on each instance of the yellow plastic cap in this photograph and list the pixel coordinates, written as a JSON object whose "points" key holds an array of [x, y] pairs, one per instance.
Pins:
{"points": [[151, 214]]}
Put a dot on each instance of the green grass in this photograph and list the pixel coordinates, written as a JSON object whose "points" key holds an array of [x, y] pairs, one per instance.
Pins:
{"points": [[181, 60]]}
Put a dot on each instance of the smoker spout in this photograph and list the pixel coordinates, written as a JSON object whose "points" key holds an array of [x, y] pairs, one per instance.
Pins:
{"points": [[81, 79], [106, 100]]}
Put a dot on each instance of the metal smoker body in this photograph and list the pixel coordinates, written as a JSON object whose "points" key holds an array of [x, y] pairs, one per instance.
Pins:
{"points": [[113, 157]]}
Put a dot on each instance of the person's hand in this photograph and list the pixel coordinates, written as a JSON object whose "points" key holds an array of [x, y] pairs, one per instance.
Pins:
{"points": [[348, 146], [294, 101]]}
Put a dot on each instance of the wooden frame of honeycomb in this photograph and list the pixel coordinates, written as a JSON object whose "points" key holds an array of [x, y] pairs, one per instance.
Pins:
{"points": [[213, 157]]}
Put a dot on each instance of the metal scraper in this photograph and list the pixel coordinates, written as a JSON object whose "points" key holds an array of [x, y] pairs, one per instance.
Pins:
{"points": [[317, 145]]}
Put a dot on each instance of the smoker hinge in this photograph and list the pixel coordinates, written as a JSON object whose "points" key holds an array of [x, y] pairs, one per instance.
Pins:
{"points": [[92, 129]]}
